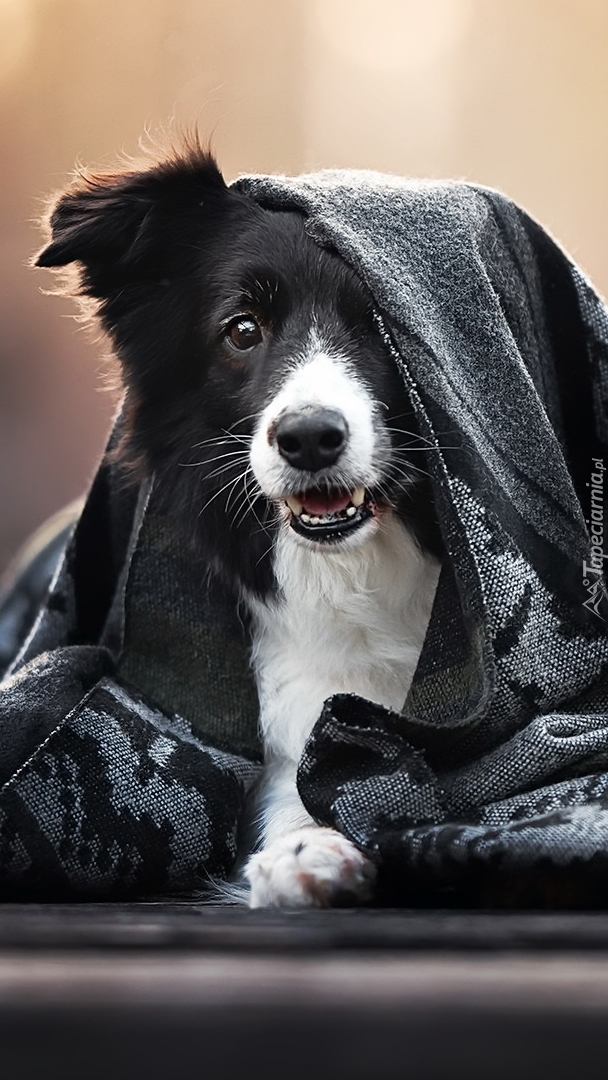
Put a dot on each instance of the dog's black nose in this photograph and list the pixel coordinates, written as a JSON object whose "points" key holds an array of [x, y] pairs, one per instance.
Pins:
{"points": [[311, 439]]}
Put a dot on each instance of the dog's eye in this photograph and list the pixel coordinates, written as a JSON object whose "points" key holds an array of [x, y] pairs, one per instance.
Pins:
{"points": [[244, 333]]}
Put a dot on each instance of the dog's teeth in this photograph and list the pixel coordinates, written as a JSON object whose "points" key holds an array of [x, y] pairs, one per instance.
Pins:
{"points": [[351, 511], [306, 518], [294, 505], [314, 520], [358, 497]]}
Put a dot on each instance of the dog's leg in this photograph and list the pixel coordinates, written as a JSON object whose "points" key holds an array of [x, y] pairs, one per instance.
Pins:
{"points": [[301, 864]]}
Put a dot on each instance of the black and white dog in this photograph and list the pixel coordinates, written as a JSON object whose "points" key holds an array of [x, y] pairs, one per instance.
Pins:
{"points": [[260, 393]]}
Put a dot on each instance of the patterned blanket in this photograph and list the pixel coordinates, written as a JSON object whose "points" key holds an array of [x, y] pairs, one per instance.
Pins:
{"points": [[128, 714]]}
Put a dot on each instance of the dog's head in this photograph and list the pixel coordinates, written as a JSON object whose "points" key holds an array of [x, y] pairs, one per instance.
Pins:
{"points": [[257, 387]]}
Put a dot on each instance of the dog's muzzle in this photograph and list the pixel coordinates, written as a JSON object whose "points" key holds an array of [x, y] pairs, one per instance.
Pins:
{"points": [[312, 440]]}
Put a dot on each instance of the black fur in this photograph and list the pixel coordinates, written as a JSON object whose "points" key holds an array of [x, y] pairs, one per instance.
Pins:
{"points": [[170, 255]]}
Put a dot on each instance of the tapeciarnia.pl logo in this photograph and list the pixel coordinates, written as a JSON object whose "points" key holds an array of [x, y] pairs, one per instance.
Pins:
{"points": [[593, 571]]}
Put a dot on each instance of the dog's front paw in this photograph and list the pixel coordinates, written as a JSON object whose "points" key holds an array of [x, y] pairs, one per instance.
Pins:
{"points": [[312, 867]]}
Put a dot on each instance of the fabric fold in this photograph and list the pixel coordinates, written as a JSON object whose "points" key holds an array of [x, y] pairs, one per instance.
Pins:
{"points": [[118, 802]]}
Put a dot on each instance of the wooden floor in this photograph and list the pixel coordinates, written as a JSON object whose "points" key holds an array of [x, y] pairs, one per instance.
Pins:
{"points": [[172, 990]]}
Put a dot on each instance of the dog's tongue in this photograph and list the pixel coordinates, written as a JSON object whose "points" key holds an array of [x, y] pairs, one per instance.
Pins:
{"points": [[317, 503]]}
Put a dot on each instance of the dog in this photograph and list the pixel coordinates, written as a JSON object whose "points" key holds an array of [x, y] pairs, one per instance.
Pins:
{"points": [[262, 396]]}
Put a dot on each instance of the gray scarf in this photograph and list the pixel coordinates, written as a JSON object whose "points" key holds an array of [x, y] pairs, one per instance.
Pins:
{"points": [[128, 719]]}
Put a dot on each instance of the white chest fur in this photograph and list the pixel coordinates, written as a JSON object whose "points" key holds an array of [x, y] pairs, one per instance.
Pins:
{"points": [[348, 621]]}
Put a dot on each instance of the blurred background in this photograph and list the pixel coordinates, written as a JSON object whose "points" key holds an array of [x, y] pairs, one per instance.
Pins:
{"points": [[511, 93]]}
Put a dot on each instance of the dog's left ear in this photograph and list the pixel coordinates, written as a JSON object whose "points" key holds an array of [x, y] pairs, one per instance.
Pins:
{"points": [[128, 223]]}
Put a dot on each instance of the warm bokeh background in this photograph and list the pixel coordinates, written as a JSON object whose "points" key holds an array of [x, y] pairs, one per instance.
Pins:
{"points": [[512, 93]]}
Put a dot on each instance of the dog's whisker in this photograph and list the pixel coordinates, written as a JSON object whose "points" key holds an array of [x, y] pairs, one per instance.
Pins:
{"points": [[228, 431], [243, 420], [241, 501], [398, 416], [215, 496], [209, 461], [218, 444], [251, 496], [245, 439], [248, 502], [222, 469], [418, 438], [265, 553], [225, 439], [275, 520], [403, 467], [221, 439], [234, 488]]}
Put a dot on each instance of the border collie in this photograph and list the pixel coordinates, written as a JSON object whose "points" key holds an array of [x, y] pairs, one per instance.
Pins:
{"points": [[260, 393]]}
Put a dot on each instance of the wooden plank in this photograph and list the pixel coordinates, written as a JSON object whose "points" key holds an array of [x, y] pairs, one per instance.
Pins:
{"points": [[547, 985], [361, 1016], [150, 926]]}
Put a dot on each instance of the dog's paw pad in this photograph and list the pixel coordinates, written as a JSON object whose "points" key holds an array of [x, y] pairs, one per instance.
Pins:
{"points": [[312, 867]]}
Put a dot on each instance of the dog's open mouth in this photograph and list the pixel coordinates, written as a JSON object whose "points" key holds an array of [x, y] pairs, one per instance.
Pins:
{"points": [[328, 516]]}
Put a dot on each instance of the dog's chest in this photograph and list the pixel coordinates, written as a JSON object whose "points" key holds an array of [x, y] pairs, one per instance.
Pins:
{"points": [[351, 622]]}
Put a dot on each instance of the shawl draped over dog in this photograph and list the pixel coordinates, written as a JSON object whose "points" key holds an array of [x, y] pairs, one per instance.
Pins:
{"points": [[128, 710]]}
